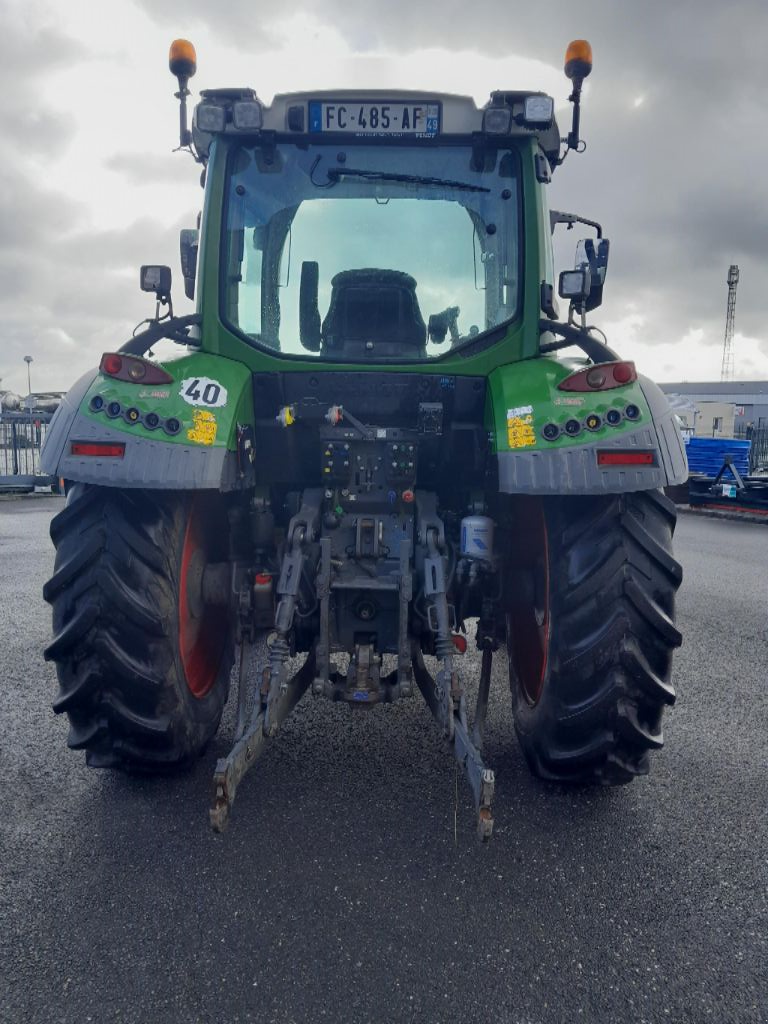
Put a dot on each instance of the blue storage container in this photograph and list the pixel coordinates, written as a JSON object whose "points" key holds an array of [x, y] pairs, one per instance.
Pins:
{"points": [[707, 454]]}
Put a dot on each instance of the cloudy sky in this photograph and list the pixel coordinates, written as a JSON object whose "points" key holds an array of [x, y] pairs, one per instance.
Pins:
{"points": [[674, 117]]}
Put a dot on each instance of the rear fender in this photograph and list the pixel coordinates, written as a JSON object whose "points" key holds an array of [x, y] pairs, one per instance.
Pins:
{"points": [[194, 443], [524, 399]]}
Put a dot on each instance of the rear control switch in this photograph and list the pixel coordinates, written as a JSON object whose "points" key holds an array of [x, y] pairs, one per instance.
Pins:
{"points": [[550, 432]]}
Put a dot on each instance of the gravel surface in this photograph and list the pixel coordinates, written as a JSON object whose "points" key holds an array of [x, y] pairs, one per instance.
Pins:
{"points": [[340, 891]]}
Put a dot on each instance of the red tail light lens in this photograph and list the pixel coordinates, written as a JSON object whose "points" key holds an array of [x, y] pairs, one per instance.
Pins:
{"points": [[101, 449], [602, 377], [626, 459], [111, 363], [133, 369]]}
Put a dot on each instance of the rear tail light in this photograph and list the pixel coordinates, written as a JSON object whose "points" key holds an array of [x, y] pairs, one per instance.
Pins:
{"points": [[102, 449], [133, 369], [601, 377], [615, 458]]}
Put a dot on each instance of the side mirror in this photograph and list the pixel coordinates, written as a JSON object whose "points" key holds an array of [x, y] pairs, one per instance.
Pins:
{"points": [[309, 314], [157, 279], [593, 253], [189, 241], [440, 323]]}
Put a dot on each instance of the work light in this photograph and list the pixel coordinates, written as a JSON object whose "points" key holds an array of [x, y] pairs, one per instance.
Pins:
{"points": [[497, 120], [246, 115], [538, 109], [210, 117]]}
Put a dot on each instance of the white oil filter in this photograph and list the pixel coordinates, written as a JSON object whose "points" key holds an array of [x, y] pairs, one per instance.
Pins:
{"points": [[477, 537]]}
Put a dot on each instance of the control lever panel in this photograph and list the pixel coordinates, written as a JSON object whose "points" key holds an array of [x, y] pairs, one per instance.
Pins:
{"points": [[375, 470]]}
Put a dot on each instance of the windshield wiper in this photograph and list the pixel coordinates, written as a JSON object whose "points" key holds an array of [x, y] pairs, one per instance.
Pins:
{"points": [[335, 174]]}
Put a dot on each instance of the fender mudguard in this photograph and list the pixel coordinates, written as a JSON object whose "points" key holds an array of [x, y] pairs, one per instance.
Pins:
{"points": [[185, 434], [525, 399]]}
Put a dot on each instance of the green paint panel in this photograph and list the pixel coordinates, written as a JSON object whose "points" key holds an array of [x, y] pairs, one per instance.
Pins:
{"points": [[221, 398], [524, 398]]}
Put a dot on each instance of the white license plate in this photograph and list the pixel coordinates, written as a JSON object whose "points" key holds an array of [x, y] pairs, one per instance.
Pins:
{"points": [[359, 117]]}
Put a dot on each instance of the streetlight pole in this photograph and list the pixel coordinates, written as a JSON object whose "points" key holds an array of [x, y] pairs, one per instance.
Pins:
{"points": [[28, 360]]}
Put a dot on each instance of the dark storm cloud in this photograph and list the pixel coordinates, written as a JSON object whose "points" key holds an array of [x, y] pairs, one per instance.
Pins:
{"points": [[695, 42], [78, 295], [27, 51], [140, 168], [66, 294]]}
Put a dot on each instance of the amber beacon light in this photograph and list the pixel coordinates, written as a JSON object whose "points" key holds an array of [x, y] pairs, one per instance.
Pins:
{"points": [[578, 60], [578, 64], [182, 60]]}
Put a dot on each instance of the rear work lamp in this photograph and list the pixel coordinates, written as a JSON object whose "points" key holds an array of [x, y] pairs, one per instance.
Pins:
{"points": [[538, 110], [497, 120], [246, 115], [210, 117]]}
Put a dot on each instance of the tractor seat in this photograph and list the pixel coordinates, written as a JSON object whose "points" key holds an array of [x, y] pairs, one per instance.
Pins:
{"points": [[373, 313]]}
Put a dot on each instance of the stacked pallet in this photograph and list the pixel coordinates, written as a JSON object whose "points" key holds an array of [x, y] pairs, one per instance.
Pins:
{"points": [[706, 455]]}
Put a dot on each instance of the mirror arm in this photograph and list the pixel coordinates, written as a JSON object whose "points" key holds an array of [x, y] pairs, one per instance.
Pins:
{"points": [[558, 217], [177, 329], [588, 343], [573, 136], [185, 135]]}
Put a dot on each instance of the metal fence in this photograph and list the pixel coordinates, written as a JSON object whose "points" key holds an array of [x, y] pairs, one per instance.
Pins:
{"points": [[21, 438], [758, 453]]}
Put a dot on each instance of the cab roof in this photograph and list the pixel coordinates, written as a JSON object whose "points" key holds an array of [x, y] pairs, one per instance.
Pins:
{"points": [[335, 114]]}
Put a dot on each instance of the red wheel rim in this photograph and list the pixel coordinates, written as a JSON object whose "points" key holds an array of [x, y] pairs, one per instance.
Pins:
{"points": [[528, 618], [202, 636]]}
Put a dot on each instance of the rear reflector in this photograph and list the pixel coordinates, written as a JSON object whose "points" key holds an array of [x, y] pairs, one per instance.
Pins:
{"points": [[98, 448], [626, 459]]}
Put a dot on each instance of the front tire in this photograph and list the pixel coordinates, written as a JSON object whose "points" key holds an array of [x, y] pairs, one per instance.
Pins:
{"points": [[590, 632], [143, 671]]}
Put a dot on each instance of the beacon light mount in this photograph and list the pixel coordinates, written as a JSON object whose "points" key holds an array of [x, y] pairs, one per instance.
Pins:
{"points": [[182, 61], [578, 65]]}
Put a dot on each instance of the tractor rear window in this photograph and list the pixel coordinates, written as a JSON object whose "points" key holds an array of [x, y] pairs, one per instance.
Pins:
{"points": [[370, 254]]}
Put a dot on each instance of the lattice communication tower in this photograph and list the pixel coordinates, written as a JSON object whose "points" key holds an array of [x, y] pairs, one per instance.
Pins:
{"points": [[726, 372]]}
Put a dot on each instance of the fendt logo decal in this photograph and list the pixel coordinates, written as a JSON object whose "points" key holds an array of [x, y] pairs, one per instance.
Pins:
{"points": [[203, 391]]}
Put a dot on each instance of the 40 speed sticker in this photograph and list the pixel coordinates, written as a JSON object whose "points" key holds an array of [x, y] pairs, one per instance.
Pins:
{"points": [[203, 391]]}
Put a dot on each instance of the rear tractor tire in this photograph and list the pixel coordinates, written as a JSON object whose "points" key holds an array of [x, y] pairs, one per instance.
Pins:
{"points": [[143, 668], [590, 632]]}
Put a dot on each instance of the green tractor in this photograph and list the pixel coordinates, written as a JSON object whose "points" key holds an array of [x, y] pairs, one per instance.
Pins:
{"points": [[372, 441]]}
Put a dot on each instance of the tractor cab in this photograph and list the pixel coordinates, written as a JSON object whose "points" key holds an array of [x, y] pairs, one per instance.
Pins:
{"points": [[372, 227]]}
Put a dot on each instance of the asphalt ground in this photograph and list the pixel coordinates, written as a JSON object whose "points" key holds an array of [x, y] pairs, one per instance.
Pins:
{"points": [[345, 890]]}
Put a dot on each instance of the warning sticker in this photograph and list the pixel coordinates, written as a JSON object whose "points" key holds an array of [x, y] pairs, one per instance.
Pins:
{"points": [[520, 432], [521, 410], [203, 429]]}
